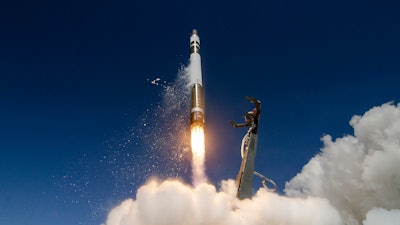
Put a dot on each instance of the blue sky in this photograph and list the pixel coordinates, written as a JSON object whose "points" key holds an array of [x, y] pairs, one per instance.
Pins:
{"points": [[74, 83]]}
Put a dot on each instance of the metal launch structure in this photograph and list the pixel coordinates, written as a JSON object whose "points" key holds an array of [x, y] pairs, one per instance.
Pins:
{"points": [[248, 150]]}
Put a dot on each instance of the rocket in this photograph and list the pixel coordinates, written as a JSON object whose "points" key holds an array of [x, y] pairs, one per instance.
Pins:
{"points": [[196, 84]]}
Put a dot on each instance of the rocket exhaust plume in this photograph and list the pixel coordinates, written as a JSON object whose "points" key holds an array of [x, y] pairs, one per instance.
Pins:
{"points": [[198, 152], [196, 111]]}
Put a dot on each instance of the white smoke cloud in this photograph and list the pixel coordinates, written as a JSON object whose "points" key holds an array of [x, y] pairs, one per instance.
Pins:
{"points": [[382, 217], [354, 180], [357, 173], [172, 202]]}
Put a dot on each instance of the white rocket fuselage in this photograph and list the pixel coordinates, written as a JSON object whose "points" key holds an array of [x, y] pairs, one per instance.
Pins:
{"points": [[195, 59], [196, 84]]}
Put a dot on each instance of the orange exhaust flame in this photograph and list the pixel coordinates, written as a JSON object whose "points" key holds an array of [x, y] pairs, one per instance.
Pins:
{"points": [[198, 152]]}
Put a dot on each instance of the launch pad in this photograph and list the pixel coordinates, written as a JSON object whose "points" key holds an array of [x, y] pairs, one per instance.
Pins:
{"points": [[248, 150]]}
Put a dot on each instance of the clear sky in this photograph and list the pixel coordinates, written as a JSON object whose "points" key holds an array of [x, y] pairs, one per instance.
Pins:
{"points": [[75, 84]]}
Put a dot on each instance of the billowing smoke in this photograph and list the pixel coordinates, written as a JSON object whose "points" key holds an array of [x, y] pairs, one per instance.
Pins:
{"points": [[382, 217], [172, 202], [353, 180], [357, 173]]}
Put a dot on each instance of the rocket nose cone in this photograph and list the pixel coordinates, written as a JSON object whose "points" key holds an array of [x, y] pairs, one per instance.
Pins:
{"points": [[194, 31]]}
